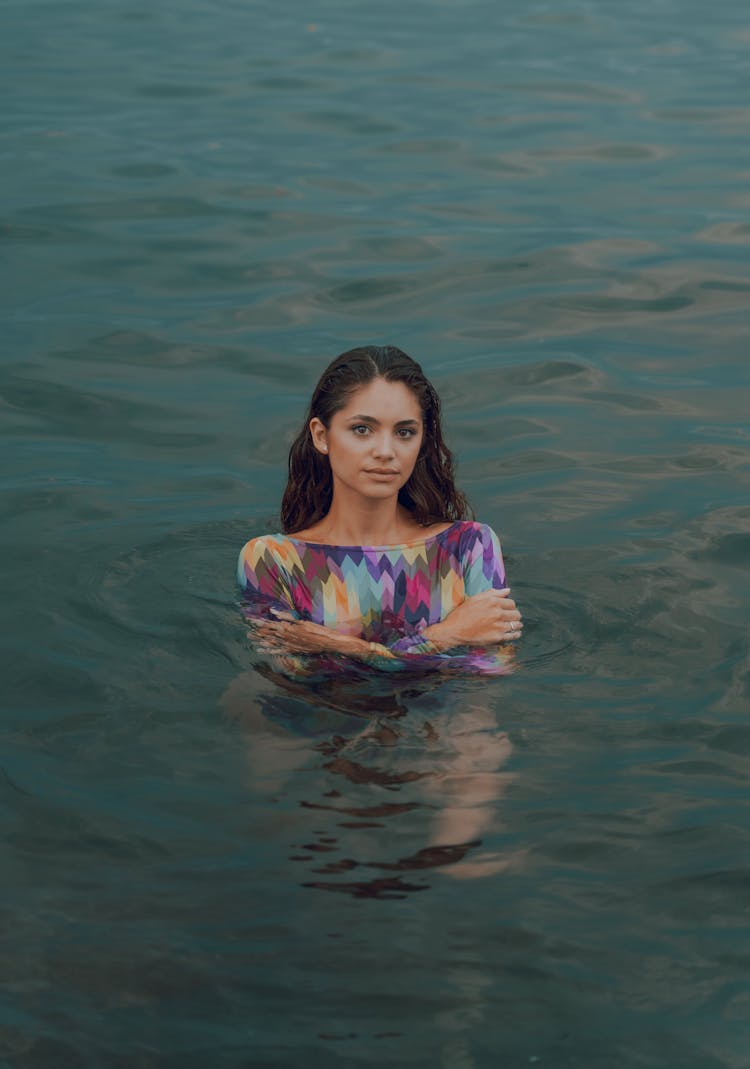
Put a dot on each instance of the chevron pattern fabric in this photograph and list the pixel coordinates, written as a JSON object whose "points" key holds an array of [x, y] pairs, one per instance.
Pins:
{"points": [[384, 594]]}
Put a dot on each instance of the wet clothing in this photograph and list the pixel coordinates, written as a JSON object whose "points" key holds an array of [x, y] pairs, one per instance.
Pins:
{"points": [[386, 595]]}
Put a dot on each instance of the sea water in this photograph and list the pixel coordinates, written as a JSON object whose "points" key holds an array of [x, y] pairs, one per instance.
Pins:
{"points": [[546, 204]]}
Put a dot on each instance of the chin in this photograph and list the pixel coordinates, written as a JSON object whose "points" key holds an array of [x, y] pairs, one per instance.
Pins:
{"points": [[381, 494], [381, 491]]}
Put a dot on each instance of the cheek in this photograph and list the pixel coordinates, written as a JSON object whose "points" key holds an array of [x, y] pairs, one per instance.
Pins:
{"points": [[345, 450]]}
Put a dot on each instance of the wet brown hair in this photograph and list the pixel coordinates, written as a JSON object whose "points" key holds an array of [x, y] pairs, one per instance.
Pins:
{"points": [[430, 494]]}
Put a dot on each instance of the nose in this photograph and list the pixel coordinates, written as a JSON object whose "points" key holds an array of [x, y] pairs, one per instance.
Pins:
{"points": [[383, 445]]}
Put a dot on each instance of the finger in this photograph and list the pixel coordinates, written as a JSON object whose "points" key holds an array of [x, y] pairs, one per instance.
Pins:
{"points": [[499, 595], [490, 595], [281, 614], [268, 632]]}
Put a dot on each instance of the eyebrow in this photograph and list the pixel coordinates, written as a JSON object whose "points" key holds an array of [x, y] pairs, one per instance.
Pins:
{"points": [[371, 419]]}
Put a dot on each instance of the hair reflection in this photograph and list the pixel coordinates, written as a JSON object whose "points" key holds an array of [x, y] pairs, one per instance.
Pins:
{"points": [[420, 764]]}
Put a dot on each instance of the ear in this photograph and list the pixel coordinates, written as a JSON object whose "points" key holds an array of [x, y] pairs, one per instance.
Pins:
{"points": [[319, 435]]}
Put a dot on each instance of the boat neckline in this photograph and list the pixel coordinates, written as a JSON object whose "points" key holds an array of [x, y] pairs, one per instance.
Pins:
{"points": [[394, 545]]}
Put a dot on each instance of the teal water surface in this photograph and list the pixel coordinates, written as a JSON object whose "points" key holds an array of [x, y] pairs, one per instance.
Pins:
{"points": [[547, 205]]}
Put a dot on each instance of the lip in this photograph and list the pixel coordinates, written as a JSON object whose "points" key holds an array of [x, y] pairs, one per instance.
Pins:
{"points": [[380, 471]]}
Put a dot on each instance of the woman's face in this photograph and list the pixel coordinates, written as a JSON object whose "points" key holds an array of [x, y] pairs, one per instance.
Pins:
{"points": [[373, 442]]}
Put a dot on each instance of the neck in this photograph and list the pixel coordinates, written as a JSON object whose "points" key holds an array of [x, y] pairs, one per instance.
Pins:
{"points": [[364, 522]]}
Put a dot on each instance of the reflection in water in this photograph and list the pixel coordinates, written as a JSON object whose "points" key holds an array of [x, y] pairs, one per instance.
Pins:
{"points": [[428, 741]]}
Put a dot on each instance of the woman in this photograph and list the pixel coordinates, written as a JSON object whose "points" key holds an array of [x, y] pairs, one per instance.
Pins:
{"points": [[377, 561]]}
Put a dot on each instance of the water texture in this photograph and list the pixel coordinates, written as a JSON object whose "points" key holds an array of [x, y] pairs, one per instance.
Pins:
{"points": [[547, 205]]}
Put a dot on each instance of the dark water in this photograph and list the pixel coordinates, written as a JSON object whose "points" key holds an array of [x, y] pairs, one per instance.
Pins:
{"points": [[547, 204]]}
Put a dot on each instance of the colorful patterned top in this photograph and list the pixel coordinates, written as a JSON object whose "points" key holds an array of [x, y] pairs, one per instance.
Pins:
{"points": [[383, 594]]}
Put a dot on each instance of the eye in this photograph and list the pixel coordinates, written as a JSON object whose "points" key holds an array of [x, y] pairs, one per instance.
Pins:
{"points": [[406, 432], [361, 429]]}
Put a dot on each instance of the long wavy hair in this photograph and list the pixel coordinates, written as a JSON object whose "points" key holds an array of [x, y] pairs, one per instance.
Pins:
{"points": [[430, 493]]}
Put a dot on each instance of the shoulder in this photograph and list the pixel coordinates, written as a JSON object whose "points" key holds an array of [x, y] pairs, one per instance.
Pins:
{"points": [[471, 533], [478, 545], [263, 546], [264, 554], [481, 558]]}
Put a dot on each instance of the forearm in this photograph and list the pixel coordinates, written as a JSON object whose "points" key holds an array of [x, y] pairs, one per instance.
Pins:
{"points": [[374, 654], [283, 637], [488, 618], [430, 640], [350, 646], [439, 637]]}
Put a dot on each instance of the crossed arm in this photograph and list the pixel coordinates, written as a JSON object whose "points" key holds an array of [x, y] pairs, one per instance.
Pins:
{"points": [[485, 619]]}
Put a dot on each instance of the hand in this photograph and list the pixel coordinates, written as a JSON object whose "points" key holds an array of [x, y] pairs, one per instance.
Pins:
{"points": [[287, 635], [485, 619], [290, 636]]}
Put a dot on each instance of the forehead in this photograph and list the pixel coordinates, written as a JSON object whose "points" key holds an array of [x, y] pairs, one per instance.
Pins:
{"points": [[383, 400]]}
